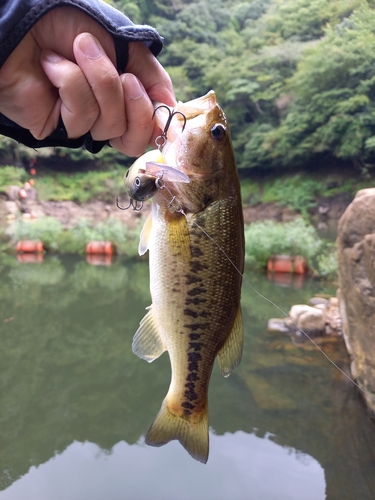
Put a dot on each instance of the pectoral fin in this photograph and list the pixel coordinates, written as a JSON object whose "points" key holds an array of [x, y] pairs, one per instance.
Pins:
{"points": [[145, 235], [231, 352], [147, 342]]}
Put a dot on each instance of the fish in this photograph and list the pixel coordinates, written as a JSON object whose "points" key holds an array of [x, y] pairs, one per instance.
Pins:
{"points": [[195, 238]]}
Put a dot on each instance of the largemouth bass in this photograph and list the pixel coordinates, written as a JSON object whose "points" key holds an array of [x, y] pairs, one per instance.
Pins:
{"points": [[195, 238]]}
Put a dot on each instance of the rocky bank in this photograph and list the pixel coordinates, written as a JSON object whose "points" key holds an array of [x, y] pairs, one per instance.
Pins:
{"points": [[356, 254]]}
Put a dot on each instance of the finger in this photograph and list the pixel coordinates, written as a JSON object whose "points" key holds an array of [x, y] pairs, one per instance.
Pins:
{"points": [[26, 95], [151, 73], [77, 104], [139, 111], [105, 84]]}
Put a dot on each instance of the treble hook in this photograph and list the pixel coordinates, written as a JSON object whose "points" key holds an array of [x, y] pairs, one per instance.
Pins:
{"points": [[136, 206], [163, 135]]}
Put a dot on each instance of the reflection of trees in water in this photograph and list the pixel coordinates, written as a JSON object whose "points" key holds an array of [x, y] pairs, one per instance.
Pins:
{"points": [[69, 373]]}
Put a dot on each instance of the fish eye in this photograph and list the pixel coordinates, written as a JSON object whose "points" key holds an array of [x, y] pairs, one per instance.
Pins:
{"points": [[137, 182], [218, 132]]}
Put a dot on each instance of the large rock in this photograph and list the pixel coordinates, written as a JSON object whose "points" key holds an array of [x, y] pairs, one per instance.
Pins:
{"points": [[307, 318], [356, 254]]}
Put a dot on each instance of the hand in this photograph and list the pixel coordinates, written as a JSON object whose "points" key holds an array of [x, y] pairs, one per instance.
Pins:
{"points": [[65, 66]]}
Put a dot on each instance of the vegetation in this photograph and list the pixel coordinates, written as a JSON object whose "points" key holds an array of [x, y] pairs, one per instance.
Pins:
{"points": [[266, 238], [74, 240], [295, 77]]}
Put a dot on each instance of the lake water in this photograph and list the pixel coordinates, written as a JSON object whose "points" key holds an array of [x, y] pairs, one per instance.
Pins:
{"points": [[76, 403]]}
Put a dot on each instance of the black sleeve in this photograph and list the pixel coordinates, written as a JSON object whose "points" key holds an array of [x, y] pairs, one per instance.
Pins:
{"points": [[17, 17]]}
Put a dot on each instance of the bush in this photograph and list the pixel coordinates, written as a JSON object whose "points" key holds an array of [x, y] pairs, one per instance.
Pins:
{"points": [[265, 238], [80, 187], [46, 229], [50, 231], [11, 176]]}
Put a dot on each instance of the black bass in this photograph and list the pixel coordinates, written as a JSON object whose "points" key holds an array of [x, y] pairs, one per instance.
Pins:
{"points": [[195, 238]]}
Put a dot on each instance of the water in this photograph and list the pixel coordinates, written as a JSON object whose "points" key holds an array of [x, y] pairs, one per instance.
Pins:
{"points": [[76, 403]]}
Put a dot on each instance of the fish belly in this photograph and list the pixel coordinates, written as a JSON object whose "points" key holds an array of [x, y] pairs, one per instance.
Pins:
{"points": [[195, 275]]}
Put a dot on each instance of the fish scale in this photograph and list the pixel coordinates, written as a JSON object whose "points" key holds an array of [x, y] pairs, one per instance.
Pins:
{"points": [[195, 283]]}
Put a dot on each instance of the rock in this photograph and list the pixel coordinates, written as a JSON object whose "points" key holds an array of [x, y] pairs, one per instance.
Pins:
{"points": [[11, 207], [356, 256], [297, 310], [312, 320], [318, 300], [13, 192], [277, 325]]}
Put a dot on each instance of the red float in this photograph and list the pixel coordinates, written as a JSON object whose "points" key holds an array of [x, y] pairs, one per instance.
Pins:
{"points": [[100, 247], [287, 264], [29, 246]]}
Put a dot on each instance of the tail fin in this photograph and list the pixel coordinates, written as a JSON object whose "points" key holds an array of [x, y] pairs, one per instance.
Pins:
{"points": [[192, 435]]}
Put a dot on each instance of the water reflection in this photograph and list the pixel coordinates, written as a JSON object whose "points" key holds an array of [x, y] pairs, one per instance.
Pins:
{"points": [[236, 470], [69, 376]]}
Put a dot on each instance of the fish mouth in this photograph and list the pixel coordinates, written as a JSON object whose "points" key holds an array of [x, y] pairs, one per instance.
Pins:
{"points": [[190, 109], [196, 107]]}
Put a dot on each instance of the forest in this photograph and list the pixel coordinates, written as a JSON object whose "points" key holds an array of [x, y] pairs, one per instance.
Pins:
{"points": [[296, 78]]}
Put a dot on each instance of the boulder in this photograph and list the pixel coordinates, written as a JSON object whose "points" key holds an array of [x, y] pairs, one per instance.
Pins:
{"points": [[312, 321], [356, 256], [307, 318]]}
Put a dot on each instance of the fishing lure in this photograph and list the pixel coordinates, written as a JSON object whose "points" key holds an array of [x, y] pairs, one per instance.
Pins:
{"points": [[146, 176]]}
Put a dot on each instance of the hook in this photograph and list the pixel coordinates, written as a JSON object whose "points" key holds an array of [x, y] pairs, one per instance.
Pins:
{"points": [[161, 139], [136, 206]]}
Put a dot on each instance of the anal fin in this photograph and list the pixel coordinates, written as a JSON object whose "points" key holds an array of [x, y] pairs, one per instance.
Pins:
{"points": [[231, 352], [147, 342]]}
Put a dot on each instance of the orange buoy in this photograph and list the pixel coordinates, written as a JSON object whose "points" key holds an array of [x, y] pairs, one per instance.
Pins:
{"points": [[29, 246], [287, 264], [100, 247], [300, 266]]}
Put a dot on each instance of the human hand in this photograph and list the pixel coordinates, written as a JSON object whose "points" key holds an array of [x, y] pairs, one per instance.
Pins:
{"points": [[65, 66]]}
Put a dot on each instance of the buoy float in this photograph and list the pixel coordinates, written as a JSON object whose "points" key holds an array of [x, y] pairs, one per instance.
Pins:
{"points": [[287, 264], [100, 247], [29, 246]]}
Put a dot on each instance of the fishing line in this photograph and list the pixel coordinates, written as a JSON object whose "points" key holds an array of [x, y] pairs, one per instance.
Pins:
{"points": [[366, 393]]}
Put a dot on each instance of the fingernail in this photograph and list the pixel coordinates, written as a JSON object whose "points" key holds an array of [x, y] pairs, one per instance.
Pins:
{"points": [[134, 88], [89, 46], [51, 57]]}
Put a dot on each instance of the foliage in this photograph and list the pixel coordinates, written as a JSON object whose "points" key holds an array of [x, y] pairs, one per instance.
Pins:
{"points": [[45, 229], [296, 78], [74, 240], [327, 263], [266, 238], [80, 187], [11, 176]]}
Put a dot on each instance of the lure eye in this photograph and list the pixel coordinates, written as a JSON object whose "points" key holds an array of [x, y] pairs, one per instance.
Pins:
{"points": [[218, 132], [143, 187]]}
